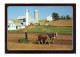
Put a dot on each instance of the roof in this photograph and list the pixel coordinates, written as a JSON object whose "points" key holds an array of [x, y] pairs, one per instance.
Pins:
{"points": [[16, 20], [18, 24]]}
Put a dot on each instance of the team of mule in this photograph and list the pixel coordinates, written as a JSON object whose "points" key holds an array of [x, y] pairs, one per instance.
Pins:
{"points": [[47, 38]]}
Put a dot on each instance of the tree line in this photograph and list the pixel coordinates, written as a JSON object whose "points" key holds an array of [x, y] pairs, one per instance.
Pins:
{"points": [[57, 17]]}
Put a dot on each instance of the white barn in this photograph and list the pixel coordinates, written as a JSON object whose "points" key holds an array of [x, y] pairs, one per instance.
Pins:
{"points": [[30, 20]]}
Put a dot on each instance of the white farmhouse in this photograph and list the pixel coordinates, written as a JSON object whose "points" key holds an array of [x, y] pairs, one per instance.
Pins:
{"points": [[49, 18], [14, 26]]}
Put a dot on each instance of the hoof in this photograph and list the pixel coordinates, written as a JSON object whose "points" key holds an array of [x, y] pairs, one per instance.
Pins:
{"points": [[38, 42]]}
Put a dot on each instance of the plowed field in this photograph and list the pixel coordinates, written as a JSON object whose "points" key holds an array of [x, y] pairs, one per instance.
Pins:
{"points": [[63, 42]]}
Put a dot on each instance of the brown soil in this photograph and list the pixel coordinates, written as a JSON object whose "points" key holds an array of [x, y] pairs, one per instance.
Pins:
{"points": [[63, 42]]}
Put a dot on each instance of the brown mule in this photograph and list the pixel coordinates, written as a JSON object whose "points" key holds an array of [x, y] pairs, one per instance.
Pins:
{"points": [[43, 38], [52, 36]]}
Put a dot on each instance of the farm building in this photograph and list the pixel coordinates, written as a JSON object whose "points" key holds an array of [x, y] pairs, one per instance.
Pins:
{"points": [[23, 21], [49, 18], [14, 26], [29, 19]]}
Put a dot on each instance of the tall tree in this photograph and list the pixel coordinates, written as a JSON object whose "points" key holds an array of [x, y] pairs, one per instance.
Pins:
{"points": [[68, 17], [62, 17], [55, 16]]}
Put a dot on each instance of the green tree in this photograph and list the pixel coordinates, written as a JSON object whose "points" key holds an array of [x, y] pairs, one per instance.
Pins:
{"points": [[55, 16], [68, 17], [62, 17]]}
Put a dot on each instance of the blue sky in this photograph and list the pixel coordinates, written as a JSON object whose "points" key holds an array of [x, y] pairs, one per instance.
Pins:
{"points": [[43, 11]]}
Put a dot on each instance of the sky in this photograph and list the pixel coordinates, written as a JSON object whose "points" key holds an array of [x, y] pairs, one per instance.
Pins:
{"points": [[43, 11]]}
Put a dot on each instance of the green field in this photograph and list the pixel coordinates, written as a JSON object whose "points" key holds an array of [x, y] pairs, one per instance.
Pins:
{"points": [[43, 20], [46, 29]]}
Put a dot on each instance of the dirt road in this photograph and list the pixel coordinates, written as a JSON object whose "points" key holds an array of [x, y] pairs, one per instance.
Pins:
{"points": [[63, 42]]}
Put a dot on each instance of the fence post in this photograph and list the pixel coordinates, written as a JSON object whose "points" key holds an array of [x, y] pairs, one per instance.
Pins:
{"points": [[26, 36]]}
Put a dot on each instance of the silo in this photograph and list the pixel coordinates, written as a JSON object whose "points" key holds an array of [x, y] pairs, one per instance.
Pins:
{"points": [[27, 17], [36, 15]]}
